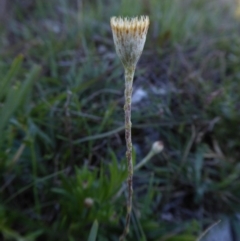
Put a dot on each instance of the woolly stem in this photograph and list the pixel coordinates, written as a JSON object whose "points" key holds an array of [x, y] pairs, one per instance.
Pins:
{"points": [[129, 73]]}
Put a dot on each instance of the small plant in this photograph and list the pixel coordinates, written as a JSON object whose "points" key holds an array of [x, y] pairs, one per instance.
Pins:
{"points": [[88, 196], [129, 37]]}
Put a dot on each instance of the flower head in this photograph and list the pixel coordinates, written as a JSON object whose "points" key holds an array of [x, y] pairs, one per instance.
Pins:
{"points": [[129, 35], [157, 147], [88, 202]]}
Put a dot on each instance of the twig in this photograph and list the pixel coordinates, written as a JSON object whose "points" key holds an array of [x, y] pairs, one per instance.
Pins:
{"points": [[99, 136], [207, 230]]}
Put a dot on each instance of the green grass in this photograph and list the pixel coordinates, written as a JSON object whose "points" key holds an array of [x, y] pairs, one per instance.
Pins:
{"points": [[61, 121]]}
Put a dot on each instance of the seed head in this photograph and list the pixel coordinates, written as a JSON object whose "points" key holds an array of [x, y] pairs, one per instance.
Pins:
{"points": [[129, 35]]}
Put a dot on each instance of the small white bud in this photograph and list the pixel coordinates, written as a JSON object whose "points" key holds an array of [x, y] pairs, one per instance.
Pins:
{"points": [[88, 202], [129, 35], [157, 147]]}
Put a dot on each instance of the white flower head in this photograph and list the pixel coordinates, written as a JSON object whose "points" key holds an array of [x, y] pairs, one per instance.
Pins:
{"points": [[157, 147], [129, 35]]}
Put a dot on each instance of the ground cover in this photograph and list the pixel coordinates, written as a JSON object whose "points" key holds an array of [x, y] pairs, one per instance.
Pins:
{"points": [[61, 128]]}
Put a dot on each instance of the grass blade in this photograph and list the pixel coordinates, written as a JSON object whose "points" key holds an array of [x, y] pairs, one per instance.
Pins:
{"points": [[93, 232]]}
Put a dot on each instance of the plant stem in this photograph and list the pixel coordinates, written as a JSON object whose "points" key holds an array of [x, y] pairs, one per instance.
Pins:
{"points": [[129, 73], [144, 160], [68, 127]]}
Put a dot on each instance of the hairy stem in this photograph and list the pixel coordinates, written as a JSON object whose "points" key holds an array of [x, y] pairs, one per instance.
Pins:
{"points": [[68, 127], [129, 73]]}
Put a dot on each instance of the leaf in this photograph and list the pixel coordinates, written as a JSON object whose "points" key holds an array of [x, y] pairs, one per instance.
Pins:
{"points": [[5, 83], [15, 97], [93, 233]]}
